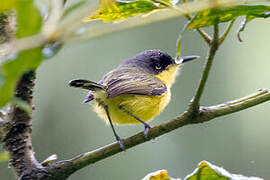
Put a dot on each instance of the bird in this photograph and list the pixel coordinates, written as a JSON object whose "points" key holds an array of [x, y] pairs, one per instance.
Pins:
{"points": [[136, 91]]}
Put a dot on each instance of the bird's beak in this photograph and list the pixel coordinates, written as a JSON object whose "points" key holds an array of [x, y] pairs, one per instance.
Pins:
{"points": [[189, 58], [185, 59]]}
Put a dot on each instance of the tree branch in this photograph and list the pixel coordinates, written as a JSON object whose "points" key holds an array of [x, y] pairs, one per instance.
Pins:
{"points": [[205, 114]]}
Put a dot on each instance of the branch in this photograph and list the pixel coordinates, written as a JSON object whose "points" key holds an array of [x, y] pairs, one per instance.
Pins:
{"points": [[205, 114]]}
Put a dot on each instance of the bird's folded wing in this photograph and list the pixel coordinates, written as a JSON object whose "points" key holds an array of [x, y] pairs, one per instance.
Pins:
{"points": [[129, 81]]}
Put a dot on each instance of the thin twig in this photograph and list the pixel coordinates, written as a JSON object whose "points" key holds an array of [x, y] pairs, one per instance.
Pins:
{"points": [[204, 35], [222, 38], [213, 48], [205, 114]]}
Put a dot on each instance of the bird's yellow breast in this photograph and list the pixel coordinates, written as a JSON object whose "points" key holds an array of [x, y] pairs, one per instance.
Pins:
{"points": [[144, 107], [168, 76]]}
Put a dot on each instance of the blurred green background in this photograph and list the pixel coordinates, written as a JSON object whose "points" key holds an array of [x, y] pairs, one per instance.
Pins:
{"points": [[238, 142]]}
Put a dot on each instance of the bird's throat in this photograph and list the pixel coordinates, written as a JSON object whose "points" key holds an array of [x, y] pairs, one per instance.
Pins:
{"points": [[168, 76]]}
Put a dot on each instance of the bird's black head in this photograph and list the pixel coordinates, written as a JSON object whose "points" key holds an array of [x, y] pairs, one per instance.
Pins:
{"points": [[152, 61]]}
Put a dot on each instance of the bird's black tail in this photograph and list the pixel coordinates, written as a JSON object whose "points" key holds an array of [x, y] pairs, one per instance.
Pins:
{"points": [[85, 84]]}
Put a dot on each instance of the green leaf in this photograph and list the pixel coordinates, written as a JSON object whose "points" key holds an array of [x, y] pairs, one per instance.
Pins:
{"points": [[208, 171], [13, 69], [28, 23], [214, 16], [120, 10], [28, 18], [4, 156]]}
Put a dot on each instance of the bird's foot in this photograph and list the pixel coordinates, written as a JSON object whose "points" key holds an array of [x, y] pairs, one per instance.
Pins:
{"points": [[146, 129], [120, 142]]}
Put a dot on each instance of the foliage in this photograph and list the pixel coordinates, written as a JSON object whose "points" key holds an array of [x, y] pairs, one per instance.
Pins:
{"points": [[28, 23], [215, 16], [205, 171], [119, 10]]}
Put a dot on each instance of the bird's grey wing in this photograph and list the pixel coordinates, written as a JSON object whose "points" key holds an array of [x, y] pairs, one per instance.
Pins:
{"points": [[132, 81]]}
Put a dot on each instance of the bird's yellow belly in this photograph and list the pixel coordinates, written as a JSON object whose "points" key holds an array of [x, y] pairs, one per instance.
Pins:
{"points": [[143, 107]]}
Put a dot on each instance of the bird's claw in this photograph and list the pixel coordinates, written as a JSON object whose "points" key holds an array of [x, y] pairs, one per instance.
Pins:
{"points": [[120, 142], [146, 130]]}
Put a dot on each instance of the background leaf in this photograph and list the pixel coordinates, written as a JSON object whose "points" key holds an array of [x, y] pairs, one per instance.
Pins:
{"points": [[28, 23], [205, 171], [210, 17], [119, 10]]}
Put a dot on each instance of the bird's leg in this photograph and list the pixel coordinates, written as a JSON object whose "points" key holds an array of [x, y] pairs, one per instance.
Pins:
{"points": [[146, 125], [118, 139]]}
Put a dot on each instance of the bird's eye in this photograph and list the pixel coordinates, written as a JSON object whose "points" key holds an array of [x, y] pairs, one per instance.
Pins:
{"points": [[157, 66]]}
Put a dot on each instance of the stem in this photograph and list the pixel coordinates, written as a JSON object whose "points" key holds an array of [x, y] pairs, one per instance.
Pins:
{"points": [[194, 106], [226, 32], [205, 36]]}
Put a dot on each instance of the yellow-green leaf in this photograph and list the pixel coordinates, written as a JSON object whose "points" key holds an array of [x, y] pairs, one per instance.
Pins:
{"points": [[204, 171], [119, 10], [214, 16], [208, 171]]}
